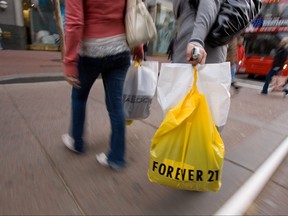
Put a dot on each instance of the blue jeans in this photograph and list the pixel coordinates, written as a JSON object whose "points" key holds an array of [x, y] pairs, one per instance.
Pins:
{"points": [[233, 72], [113, 70], [272, 72]]}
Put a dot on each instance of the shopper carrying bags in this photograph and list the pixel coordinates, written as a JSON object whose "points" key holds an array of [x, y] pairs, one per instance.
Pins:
{"points": [[96, 44], [277, 64]]}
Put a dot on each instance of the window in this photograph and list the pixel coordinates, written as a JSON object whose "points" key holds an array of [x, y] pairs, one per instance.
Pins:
{"points": [[262, 44], [43, 22]]}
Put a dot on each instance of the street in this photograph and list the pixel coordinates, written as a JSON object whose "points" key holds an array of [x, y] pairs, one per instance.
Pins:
{"points": [[244, 166], [40, 176]]}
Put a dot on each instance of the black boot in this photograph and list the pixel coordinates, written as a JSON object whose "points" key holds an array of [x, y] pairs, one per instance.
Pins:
{"points": [[236, 87]]}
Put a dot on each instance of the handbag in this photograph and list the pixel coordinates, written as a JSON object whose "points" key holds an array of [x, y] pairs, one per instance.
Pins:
{"points": [[233, 17], [139, 89], [278, 82], [214, 80], [187, 151], [139, 24]]}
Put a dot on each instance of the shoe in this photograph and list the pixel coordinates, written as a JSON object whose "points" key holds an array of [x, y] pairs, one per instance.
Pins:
{"points": [[264, 93], [285, 92], [69, 142], [235, 86], [103, 160], [116, 167]]}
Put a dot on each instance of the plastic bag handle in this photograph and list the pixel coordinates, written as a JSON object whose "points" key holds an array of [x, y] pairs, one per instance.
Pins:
{"points": [[194, 88], [137, 63], [195, 77]]}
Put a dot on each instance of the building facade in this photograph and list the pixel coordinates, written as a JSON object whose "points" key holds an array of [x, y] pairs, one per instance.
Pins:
{"points": [[32, 24], [12, 25]]}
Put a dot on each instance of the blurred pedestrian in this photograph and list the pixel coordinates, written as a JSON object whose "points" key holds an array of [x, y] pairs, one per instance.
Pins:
{"points": [[232, 58], [278, 63], [96, 44], [241, 56], [195, 18]]}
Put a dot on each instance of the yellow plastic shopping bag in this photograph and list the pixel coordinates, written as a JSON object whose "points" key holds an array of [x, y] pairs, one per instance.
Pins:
{"points": [[187, 151]]}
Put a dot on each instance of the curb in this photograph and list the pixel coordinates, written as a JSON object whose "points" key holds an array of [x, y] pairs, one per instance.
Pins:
{"points": [[32, 78]]}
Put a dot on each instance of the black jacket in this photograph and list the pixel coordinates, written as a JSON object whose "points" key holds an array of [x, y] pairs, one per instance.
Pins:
{"points": [[280, 57]]}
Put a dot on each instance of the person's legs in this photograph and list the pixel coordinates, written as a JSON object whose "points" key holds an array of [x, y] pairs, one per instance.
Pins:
{"points": [[269, 76], [86, 76], [233, 72], [233, 75], [113, 80]]}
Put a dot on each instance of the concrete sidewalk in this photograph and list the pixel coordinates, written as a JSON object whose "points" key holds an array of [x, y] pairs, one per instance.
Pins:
{"points": [[23, 62], [40, 176], [26, 66]]}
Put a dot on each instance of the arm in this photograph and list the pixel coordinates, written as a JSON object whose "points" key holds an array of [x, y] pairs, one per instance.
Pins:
{"points": [[138, 52], [73, 36], [281, 58], [206, 15]]}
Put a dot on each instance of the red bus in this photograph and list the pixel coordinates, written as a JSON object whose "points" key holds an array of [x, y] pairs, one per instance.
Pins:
{"points": [[262, 37]]}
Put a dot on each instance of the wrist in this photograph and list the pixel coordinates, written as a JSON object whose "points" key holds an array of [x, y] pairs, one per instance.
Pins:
{"points": [[197, 42]]}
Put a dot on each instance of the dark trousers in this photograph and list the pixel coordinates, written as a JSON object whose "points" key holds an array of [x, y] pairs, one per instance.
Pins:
{"points": [[272, 72]]}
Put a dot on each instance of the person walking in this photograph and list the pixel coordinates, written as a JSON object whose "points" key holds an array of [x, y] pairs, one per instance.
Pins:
{"points": [[232, 58], [195, 19], [277, 65], [241, 56], [96, 44]]}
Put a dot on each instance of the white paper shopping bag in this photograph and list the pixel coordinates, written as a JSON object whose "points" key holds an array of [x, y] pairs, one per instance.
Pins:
{"points": [[139, 89], [214, 82]]}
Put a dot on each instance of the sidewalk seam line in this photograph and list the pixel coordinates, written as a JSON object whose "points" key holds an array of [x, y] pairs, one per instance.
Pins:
{"points": [[49, 159], [280, 185], [239, 165], [149, 124]]}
